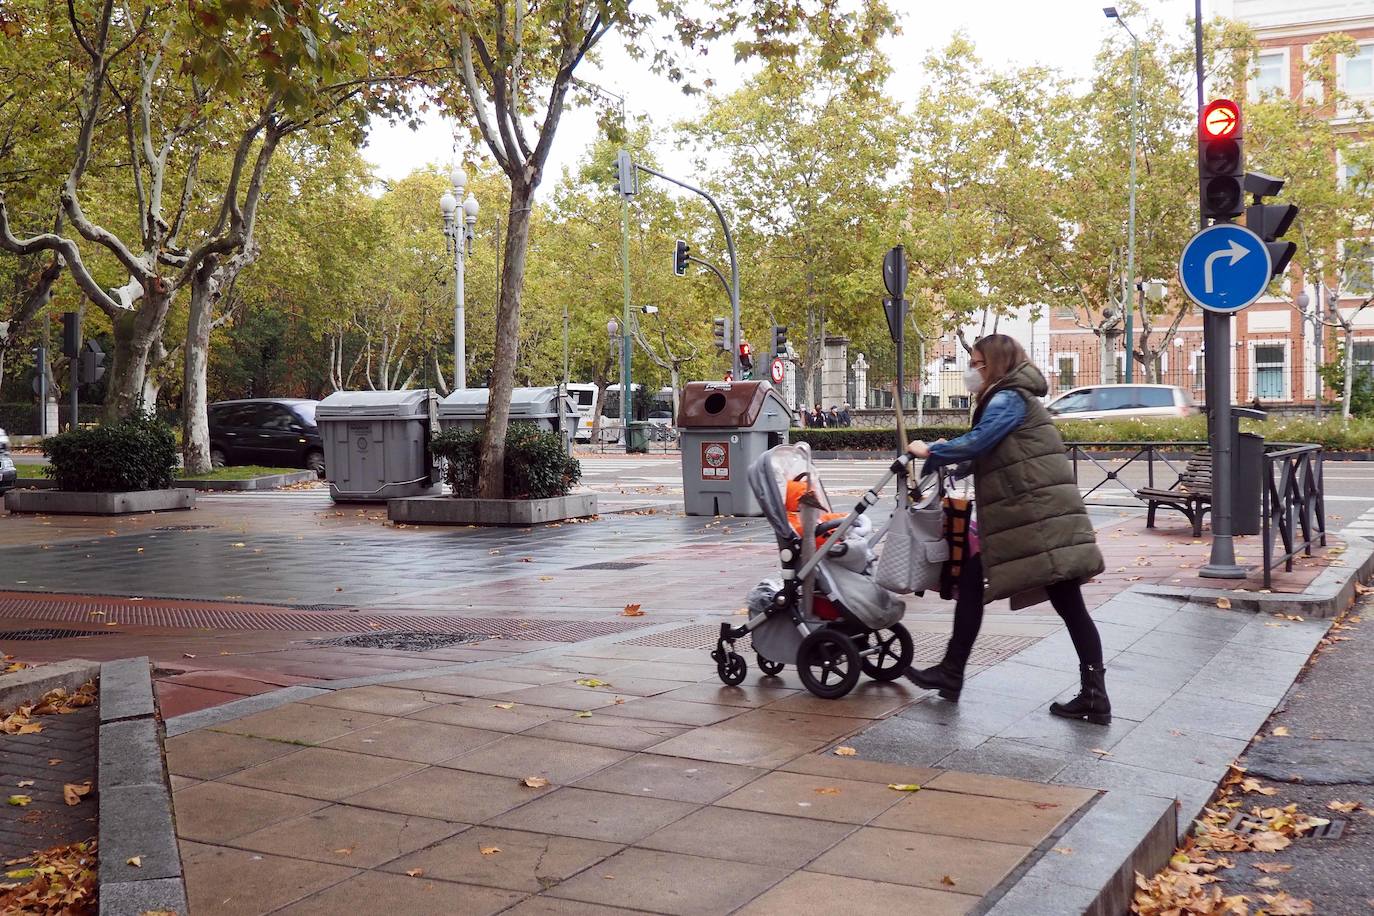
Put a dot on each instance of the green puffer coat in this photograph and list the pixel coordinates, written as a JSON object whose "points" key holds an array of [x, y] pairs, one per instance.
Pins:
{"points": [[1033, 529]]}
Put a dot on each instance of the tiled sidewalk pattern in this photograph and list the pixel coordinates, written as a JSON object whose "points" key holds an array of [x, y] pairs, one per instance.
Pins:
{"points": [[70, 741], [673, 795]]}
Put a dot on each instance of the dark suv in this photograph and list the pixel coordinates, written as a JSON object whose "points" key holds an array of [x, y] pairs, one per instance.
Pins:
{"points": [[276, 432]]}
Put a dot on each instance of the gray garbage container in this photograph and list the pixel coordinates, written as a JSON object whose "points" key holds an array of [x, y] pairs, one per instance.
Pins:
{"points": [[725, 426], [467, 409], [1247, 478], [376, 444]]}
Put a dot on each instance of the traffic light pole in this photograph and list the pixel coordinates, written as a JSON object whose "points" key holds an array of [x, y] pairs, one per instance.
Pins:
{"points": [[626, 401], [736, 335]]}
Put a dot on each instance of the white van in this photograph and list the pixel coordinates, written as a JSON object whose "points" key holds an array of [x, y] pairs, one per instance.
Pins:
{"points": [[584, 396]]}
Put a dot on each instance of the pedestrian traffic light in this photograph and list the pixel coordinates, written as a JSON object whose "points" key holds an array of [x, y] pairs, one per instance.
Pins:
{"points": [[1221, 160], [1270, 221], [779, 340], [722, 333], [92, 365], [625, 174], [746, 359], [680, 252], [71, 334]]}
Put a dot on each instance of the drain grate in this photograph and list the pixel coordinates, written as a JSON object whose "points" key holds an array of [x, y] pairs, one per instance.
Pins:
{"points": [[35, 635], [405, 642], [612, 564], [1243, 823], [183, 527]]}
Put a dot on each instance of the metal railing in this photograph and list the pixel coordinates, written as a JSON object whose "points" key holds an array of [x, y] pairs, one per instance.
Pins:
{"points": [[1146, 454], [1292, 504]]}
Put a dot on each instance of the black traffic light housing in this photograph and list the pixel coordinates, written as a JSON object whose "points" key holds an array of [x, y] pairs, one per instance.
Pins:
{"points": [[1270, 221], [722, 334], [780, 340], [680, 252], [92, 364], [1221, 160], [71, 334], [627, 182]]}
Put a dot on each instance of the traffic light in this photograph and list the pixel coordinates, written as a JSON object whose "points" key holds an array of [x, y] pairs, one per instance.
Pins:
{"points": [[71, 334], [722, 333], [746, 359], [1270, 221], [779, 340], [92, 365], [625, 174], [1221, 160], [680, 252]]}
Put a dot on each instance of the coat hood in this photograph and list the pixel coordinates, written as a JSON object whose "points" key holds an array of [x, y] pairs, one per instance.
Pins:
{"points": [[1025, 377]]}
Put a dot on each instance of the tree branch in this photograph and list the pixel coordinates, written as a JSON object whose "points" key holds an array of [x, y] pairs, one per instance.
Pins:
{"points": [[64, 248]]}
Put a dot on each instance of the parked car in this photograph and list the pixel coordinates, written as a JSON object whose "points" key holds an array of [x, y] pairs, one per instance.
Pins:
{"points": [[274, 432], [9, 474], [1115, 402]]}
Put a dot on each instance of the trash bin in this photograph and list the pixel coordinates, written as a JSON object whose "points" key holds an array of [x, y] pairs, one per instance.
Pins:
{"points": [[639, 437], [1247, 479], [725, 426], [467, 409], [376, 444]]}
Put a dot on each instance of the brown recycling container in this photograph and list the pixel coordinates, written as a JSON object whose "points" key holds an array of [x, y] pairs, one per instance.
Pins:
{"points": [[725, 427]]}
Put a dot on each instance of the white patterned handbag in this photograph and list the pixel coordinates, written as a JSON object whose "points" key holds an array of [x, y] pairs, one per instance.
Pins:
{"points": [[914, 549]]}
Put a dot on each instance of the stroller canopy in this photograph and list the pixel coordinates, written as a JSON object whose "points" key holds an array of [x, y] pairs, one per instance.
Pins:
{"points": [[772, 472]]}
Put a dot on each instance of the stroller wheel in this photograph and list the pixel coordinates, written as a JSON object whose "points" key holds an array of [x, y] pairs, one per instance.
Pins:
{"points": [[732, 669], [770, 668], [828, 663], [891, 649]]}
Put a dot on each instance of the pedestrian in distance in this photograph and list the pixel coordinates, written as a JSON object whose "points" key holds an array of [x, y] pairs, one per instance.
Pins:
{"points": [[833, 419], [1031, 534], [819, 416], [845, 419]]}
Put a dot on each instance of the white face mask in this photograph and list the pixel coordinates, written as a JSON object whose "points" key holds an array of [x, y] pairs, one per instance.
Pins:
{"points": [[973, 380]]}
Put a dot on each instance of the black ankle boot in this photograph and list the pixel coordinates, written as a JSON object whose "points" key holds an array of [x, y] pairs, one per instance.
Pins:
{"points": [[1091, 703], [946, 677]]}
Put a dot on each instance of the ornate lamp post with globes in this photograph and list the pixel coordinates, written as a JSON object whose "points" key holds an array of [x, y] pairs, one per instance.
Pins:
{"points": [[459, 220]]}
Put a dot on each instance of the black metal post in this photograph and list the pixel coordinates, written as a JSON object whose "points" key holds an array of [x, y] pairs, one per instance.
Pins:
{"points": [[43, 388], [76, 379]]}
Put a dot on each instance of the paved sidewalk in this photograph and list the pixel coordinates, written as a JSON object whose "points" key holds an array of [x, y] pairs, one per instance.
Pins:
{"points": [[516, 789]]}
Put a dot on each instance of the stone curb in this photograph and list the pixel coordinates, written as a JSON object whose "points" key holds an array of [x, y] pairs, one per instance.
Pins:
{"points": [[448, 510], [136, 818], [69, 502], [266, 482], [28, 684], [1328, 596], [1121, 834]]}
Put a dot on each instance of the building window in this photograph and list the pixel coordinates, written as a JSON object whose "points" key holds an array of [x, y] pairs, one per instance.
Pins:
{"points": [[1362, 358], [1270, 367], [1199, 370], [1358, 277], [1067, 364], [931, 401], [958, 401], [1357, 71], [1271, 74]]}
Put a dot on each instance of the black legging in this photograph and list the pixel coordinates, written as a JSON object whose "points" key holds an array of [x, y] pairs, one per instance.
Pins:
{"points": [[1066, 598]]}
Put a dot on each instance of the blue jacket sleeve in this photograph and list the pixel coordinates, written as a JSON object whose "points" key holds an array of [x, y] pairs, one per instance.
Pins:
{"points": [[1005, 412]]}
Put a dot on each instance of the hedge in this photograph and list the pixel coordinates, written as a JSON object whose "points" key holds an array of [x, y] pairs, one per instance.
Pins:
{"points": [[1334, 434], [134, 454], [537, 467], [21, 419]]}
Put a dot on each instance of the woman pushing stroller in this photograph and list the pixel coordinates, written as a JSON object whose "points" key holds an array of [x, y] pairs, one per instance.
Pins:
{"points": [[1032, 529]]}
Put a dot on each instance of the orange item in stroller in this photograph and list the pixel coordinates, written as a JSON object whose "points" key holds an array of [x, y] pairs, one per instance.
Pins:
{"points": [[796, 489]]}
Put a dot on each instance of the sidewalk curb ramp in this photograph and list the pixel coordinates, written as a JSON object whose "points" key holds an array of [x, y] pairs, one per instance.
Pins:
{"points": [[1328, 596], [135, 798], [28, 684]]}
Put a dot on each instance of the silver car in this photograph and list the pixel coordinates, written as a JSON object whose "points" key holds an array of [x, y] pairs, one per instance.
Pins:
{"points": [[1120, 402], [9, 474]]}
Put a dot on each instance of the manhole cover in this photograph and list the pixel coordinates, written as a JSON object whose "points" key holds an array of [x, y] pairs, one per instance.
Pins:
{"points": [[183, 527], [404, 642], [37, 634], [612, 564], [1247, 823]]}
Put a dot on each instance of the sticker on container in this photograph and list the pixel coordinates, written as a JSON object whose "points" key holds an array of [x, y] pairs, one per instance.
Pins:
{"points": [[715, 461]]}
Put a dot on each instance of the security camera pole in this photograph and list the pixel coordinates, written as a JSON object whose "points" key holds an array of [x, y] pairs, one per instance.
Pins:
{"points": [[737, 336]]}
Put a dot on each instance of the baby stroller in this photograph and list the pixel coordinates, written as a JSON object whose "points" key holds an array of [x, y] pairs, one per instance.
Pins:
{"points": [[826, 615]]}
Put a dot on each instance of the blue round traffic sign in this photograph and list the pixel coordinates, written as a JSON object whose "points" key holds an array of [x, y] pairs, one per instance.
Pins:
{"points": [[1225, 267]]}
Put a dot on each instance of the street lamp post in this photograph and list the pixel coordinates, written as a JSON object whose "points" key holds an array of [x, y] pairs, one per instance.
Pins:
{"points": [[460, 216], [1127, 302]]}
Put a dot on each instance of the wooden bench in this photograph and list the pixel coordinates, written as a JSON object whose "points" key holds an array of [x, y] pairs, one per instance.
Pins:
{"points": [[1191, 494]]}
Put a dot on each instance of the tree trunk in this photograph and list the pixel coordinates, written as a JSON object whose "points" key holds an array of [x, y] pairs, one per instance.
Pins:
{"points": [[195, 424], [1349, 372], [135, 335], [492, 474]]}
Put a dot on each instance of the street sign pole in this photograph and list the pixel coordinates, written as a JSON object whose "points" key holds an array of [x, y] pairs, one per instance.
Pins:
{"points": [[1221, 436], [894, 278]]}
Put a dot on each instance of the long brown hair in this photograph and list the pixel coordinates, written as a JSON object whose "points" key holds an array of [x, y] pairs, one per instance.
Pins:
{"points": [[1001, 354]]}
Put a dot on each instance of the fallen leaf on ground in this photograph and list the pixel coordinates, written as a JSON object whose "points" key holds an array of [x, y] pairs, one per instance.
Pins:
{"points": [[415, 872], [1281, 904], [1272, 867], [1100, 752], [344, 851], [238, 544], [1267, 882], [1224, 603], [904, 786], [24, 783], [843, 751], [1269, 841], [1280, 732], [489, 850], [632, 610], [584, 715], [20, 801], [503, 705], [1045, 806], [827, 790], [73, 793], [591, 682], [1343, 807], [947, 881], [1254, 785], [535, 782], [54, 761], [135, 861], [1064, 850]]}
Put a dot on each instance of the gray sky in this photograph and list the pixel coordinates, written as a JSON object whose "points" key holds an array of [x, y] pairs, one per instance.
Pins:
{"points": [[1061, 33]]}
